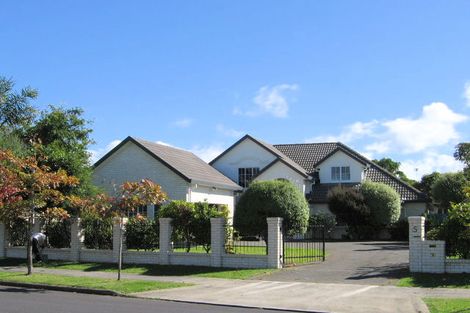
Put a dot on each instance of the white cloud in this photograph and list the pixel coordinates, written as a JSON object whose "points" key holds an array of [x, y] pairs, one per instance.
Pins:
{"points": [[431, 162], [350, 133], [466, 93], [207, 153], [183, 123], [269, 100], [229, 132], [95, 155]]}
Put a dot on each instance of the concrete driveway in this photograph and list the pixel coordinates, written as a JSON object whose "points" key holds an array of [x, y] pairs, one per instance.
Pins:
{"points": [[370, 263]]}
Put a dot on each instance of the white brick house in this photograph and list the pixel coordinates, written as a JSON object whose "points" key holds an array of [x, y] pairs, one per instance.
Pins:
{"points": [[182, 175], [314, 168]]}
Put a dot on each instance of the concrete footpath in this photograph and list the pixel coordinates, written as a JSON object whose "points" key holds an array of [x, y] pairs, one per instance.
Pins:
{"points": [[311, 297]]}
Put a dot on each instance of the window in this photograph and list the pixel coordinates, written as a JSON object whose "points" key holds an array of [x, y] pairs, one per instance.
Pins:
{"points": [[335, 173], [340, 173], [142, 210], [245, 175]]}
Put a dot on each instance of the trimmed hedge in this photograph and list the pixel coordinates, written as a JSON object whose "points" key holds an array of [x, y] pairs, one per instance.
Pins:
{"points": [[142, 233], [275, 198], [98, 232], [383, 201]]}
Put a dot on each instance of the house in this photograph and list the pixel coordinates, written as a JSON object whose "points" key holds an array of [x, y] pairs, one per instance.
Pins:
{"points": [[314, 168], [182, 175]]}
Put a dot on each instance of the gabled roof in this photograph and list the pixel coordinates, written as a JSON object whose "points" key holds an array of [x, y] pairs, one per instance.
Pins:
{"points": [[310, 155], [184, 163], [270, 148]]}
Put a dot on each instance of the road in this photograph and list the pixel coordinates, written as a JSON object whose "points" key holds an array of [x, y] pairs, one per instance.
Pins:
{"points": [[23, 300]]}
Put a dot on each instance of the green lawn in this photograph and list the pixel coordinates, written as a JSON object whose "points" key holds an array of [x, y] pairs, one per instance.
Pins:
{"points": [[145, 269], [125, 286], [436, 305], [436, 281]]}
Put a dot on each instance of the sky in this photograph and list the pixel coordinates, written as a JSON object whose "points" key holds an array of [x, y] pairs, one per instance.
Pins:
{"points": [[387, 78]]}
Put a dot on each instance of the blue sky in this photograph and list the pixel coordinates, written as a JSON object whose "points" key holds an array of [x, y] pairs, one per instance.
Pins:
{"points": [[388, 78]]}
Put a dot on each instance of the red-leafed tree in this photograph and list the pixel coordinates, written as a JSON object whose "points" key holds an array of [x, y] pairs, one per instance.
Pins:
{"points": [[29, 190]]}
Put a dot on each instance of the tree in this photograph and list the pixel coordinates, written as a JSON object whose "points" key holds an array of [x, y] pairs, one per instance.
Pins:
{"points": [[65, 136], [425, 185], [28, 190], [462, 153], [448, 189], [275, 198], [394, 168], [133, 195], [383, 201], [15, 108]]}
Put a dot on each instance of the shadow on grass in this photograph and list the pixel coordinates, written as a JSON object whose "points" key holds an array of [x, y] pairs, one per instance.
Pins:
{"points": [[141, 269], [427, 280]]}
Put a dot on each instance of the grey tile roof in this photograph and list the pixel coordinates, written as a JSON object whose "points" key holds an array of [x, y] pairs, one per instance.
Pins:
{"points": [[320, 191], [188, 164], [310, 155]]}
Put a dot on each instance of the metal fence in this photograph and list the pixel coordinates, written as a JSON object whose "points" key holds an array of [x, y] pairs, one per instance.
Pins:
{"points": [[304, 248], [237, 243]]}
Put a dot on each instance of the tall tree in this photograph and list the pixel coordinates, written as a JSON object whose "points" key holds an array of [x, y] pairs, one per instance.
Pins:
{"points": [[448, 188], [394, 168], [462, 153], [29, 189], [64, 136], [15, 108]]}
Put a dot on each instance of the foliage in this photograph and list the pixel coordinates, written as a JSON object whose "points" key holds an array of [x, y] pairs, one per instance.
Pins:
{"points": [[191, 221], [15, 109], [58, 232], [142, 233], [276, 198], [383, 202], [11, 141], [462, 153], [399, 230], [455, 229], [448, 189], [425, 185], [349, 206], [64, 136], [135, 194], [17, 232], [394, 168], [325, 219], [97, 231]]}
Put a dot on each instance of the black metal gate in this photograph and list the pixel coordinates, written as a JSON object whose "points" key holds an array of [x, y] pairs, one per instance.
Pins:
{"points": [[304, 248]]}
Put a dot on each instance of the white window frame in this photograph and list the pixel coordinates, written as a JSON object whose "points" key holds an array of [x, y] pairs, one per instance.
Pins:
{"points": [[338, 173], [344, 172]]}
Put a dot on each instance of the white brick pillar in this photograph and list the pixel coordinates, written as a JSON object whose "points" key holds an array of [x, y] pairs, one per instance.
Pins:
{"points": [[117, 229], [274, 242], [165, 240], [36, 225], [217, 241], [76, 239], [433, 256], [416, 239], [3, 240]]}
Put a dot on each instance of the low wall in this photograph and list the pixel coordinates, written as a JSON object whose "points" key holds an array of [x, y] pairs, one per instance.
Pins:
{"points": [[182, 258], [16, 252], [244, 261], [140, 257], [429, 256], [101, 256], [57, 254]]}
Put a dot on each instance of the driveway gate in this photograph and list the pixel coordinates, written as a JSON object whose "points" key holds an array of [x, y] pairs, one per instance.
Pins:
{"points": [[304, 248]]}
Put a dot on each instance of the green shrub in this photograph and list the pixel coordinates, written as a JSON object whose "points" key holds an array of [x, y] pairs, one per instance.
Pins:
{"points": [[325, 219], [18, 232], [399, 230], [58, 233], [276, 198], [98, 232], [349, 206], [448, 189], [142, 233], [383, 201]]}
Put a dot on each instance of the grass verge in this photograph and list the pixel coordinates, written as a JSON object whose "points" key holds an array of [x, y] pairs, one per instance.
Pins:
{"points": [[436, 305], [148, 269], [125, 286], [436, 281]]}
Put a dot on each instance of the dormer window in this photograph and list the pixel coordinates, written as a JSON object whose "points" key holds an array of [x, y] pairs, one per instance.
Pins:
{"points": [[340, 173]]}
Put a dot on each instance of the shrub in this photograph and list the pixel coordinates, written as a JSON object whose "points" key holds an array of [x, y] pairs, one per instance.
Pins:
{"points": [[142, 233], [325, 219], [399, 230], [448, 189], [18, 232], [58, 233], [276, 198], [98, 232], [383, 202], [349, 206]]}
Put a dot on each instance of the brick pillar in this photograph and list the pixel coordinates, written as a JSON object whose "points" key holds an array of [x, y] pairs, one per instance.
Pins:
{"points": [[76, 239], [3, 240], [165, 240], [36, 225], [433, 256], [274, 242], [217, 241], [416, 240]]}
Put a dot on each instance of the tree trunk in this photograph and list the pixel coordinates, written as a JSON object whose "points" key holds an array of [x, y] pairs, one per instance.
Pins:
{"points": [[120, 249], [29, 246]]}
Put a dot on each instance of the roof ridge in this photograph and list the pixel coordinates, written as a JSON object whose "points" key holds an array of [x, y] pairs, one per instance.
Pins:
{"points": [[161, 145], [307, 143]]}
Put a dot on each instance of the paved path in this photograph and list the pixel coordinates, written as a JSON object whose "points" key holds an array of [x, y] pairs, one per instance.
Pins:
{"points": [[316, 297], [369, 263]]}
